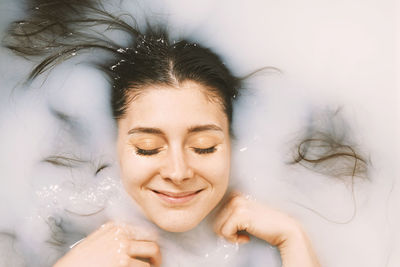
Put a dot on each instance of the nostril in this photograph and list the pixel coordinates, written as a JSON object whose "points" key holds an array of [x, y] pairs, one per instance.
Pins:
{"points": [[176, 169]]}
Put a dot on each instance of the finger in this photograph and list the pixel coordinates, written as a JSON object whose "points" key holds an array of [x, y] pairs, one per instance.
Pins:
{"points": [[234, 229], [138, 233], [127, 261], [103, 229], [137, 263], [226, 211], [222, 216], [145, 250], [242, 238]]}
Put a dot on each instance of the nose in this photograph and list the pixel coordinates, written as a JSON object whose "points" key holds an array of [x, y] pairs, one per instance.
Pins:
{"points": [[176, 169]]}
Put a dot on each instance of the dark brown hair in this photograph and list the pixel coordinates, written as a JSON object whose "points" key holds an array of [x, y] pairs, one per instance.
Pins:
{"points": [[56, 30], [59, 29]]}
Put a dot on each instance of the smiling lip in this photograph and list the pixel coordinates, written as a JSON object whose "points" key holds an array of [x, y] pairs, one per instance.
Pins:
{"points": [[177, 197]]}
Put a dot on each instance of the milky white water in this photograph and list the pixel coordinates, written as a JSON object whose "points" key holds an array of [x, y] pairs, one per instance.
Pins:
{"points": [[333, 54]]}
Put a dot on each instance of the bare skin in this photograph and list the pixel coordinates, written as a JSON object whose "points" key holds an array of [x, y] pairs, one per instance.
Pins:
{"points": [[116, 245], [278, 229], [177, 175]]}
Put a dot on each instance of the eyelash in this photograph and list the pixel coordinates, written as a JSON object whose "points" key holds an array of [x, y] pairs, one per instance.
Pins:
{"points": [[208, 150], [147, 152], [150, 152]]}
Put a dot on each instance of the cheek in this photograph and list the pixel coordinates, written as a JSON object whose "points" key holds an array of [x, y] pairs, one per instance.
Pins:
{"points": [[136, 171], [223, 172], [215, 170]]}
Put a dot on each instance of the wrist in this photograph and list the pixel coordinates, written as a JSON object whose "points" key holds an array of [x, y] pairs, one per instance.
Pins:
{"points": [[296, 248], [295, 234], [291, 232]]}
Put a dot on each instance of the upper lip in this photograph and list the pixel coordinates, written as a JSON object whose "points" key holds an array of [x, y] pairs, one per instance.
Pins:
{"points": [[177, 194]]}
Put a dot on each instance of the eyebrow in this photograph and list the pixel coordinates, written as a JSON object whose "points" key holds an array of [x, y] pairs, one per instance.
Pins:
{"points": [[193, 129], [145, 130], [201, 128]]}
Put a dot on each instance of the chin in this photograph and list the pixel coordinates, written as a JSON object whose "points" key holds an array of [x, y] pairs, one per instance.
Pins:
{"points": [[177, 228], [177, 224]]}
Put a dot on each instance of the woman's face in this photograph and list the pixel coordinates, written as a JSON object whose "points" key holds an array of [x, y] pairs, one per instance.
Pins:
{"points": [[174, 153]]}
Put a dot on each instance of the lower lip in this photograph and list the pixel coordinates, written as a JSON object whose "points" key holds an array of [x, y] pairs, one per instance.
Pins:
{"points": [[176, 200]]}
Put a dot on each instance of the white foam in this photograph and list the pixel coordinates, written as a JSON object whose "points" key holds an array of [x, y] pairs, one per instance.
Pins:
{"points": [[332, 54]]}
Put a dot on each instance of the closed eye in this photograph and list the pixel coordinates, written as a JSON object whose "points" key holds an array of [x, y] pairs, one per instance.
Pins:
{"points": [[147, 152], [208, 150]]}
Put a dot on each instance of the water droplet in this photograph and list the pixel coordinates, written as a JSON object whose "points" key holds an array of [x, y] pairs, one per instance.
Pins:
{"points": [[243, 149]]}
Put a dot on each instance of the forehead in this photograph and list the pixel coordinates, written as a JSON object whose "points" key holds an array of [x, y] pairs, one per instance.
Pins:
{"points": [[187, 104]]}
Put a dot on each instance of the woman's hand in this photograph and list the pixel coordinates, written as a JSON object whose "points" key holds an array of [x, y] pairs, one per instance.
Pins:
{"points": [[114, 245], [241, 214]]}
